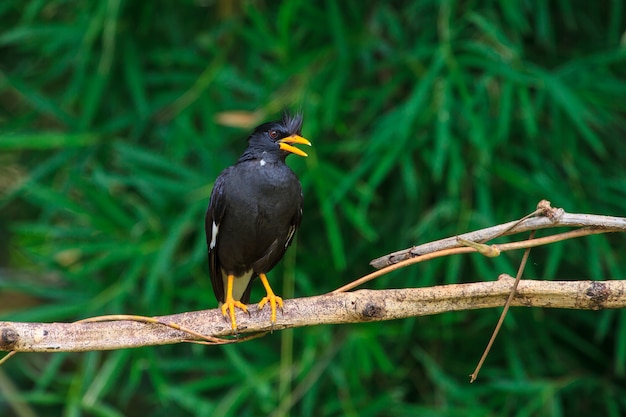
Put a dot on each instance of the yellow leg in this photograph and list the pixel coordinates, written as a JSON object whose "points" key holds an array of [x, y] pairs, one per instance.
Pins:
{"points": [[272, 298], [230, 303]]}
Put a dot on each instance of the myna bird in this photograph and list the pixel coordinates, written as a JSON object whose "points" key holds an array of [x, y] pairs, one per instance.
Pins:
{"points": [[254, 212]]}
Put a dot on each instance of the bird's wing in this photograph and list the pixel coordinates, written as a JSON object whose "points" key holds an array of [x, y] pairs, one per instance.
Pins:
{"points": [[295, 222], [275, 252], [213, 218]]}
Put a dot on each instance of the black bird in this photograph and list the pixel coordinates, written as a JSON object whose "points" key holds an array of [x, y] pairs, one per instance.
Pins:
{"points": [[254, 211]]}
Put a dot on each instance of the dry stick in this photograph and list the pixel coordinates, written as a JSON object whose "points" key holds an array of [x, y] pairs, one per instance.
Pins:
{"points": [[144, 319], [560, 219], [585, 231], [520, 271], [204, 339], [410, 261], [541, 208], [7, 356]]}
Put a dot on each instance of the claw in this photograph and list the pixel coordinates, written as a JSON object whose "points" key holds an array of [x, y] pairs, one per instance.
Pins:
{"points": [[228, 309], [270, 298]]}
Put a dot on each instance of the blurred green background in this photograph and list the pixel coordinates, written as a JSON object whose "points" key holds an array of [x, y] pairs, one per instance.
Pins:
{"points": [[427, 119]]}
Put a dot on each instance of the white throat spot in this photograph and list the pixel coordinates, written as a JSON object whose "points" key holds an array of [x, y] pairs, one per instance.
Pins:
{"points": [[262, 162]]}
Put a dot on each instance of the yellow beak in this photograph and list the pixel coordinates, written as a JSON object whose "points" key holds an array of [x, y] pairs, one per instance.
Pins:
{"points": [[285, 144]]}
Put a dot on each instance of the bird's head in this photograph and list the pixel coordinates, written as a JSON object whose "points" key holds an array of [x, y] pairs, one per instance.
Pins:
{"points": [[277, 138]]}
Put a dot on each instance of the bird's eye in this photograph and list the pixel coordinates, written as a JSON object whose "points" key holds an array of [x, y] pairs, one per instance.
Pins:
{"points": [[273, 134]]}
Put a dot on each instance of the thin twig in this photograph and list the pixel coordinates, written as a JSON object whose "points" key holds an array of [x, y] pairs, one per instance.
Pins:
{"points": [[204, 339], [7, 356], [509, 300]]}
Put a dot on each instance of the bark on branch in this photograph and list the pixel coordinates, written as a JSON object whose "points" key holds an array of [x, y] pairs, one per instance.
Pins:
{"points": [[336, 308]]}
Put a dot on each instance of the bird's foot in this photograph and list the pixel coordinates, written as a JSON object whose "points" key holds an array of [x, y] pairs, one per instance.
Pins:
{"points": [[274, 301], [228, 309], [270, 298]]}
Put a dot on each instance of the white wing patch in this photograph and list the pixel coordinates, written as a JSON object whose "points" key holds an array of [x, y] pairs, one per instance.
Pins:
{"points": [[214, 230], [290, 233], [292, 230]]}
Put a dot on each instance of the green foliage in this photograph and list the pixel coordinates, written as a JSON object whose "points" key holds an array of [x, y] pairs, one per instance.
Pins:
{"points": [[427, 119]]}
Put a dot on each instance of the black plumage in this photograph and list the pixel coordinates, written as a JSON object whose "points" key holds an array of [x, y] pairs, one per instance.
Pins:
{"points": [[254, 211]]}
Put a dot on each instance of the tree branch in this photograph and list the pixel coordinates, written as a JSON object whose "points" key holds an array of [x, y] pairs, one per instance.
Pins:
{"points": [[337, 308], [555, 218]]}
